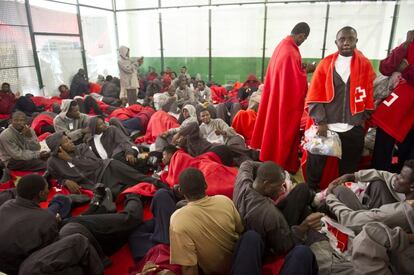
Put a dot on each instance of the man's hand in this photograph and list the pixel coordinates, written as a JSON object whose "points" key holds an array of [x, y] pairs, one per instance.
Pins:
{"points": [[44, 154], [164, 135], [313, 221], [62, 154], [27, 132], [148, 268], [176, 138], [73, 187], [86, 130], [409, 39], [404, 64], [339, 181], [131, 159], [322, 130], [310, 68], [218, 132]]}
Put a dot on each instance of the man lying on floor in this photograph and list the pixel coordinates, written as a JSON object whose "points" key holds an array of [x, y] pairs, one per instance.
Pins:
{"points": [[77, 166], [382, 187], [105, 231], [30, 239], [385, 234]]}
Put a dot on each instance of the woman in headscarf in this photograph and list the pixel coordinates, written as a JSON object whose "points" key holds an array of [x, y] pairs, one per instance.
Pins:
{"points": [[127, 73], [189, 114]]}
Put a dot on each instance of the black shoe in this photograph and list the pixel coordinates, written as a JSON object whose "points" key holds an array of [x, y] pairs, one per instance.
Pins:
{"points": [[108, 201], [98, 194], [78, 200]]}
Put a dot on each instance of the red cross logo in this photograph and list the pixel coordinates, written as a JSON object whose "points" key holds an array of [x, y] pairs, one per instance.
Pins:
{"points": [[360, 94]]}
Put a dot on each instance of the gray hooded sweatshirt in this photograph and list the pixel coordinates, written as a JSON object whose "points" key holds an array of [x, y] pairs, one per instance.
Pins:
{"points": [[127, 71], [71, 127], [85, 168], [113, 140]]}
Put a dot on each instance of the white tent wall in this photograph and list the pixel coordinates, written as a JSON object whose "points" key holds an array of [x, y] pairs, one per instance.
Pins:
{"points": [[221, 39]]}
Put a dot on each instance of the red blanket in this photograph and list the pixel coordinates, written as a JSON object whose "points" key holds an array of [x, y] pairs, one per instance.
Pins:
{"points": [[220, 179], [159, 123], [218, 94], [40, 121], [243, 123], [361, 83], [46, 102], [276, 131], [395, 115], [128, 112], [95, 88]]}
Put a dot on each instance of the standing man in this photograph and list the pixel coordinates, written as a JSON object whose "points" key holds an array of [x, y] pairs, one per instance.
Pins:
{"points": [[340, 98], [128, 75], [395, 115], [276, 131]]}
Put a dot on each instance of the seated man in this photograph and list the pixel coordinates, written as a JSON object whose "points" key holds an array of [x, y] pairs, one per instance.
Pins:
{"points": [[217, 131], [110, 92], [202, 93], [189, 114], [184, 93], [19, 147], [7, 102], [203, 233], [109, 142], [383, 187], [30, 237], [71, 121], [77, 166], [283, 225]]}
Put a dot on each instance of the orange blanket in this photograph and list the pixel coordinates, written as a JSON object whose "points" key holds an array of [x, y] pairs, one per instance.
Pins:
{"points": [[361, 83]]}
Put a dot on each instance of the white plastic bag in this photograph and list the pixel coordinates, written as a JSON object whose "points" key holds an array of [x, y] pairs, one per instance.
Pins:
{"points": [[340, 237], [326, 146]]}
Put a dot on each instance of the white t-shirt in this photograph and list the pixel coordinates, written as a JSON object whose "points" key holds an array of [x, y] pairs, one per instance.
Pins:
{"points": [[99, 147], [343, 68]]}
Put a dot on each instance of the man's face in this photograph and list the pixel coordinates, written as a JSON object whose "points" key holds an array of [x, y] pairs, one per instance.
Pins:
{"points": [[171, 91], [301, 38], [186, 113], [183, 70], [166, 157], [19, 122], [273, 189], [200, 86], [67, 144], [100, 126], [63, 89], [205, 117], [73, 112], [405, 181], [346, 41], [43, 195], [5, 88], [183, 84]]}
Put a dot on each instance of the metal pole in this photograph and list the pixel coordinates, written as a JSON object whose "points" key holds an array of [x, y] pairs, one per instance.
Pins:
{"points": [[85, 66], [116, 24], [326, 29], [394, 25], [161, 40], [32, 38], [210, 61], [264, 42]]}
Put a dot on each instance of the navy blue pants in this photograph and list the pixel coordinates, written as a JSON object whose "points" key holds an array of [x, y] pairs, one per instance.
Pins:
{"points": [[156, 230]]}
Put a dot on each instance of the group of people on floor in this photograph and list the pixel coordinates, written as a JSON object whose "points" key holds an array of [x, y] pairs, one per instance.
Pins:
{"points": [[175, 141]]}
